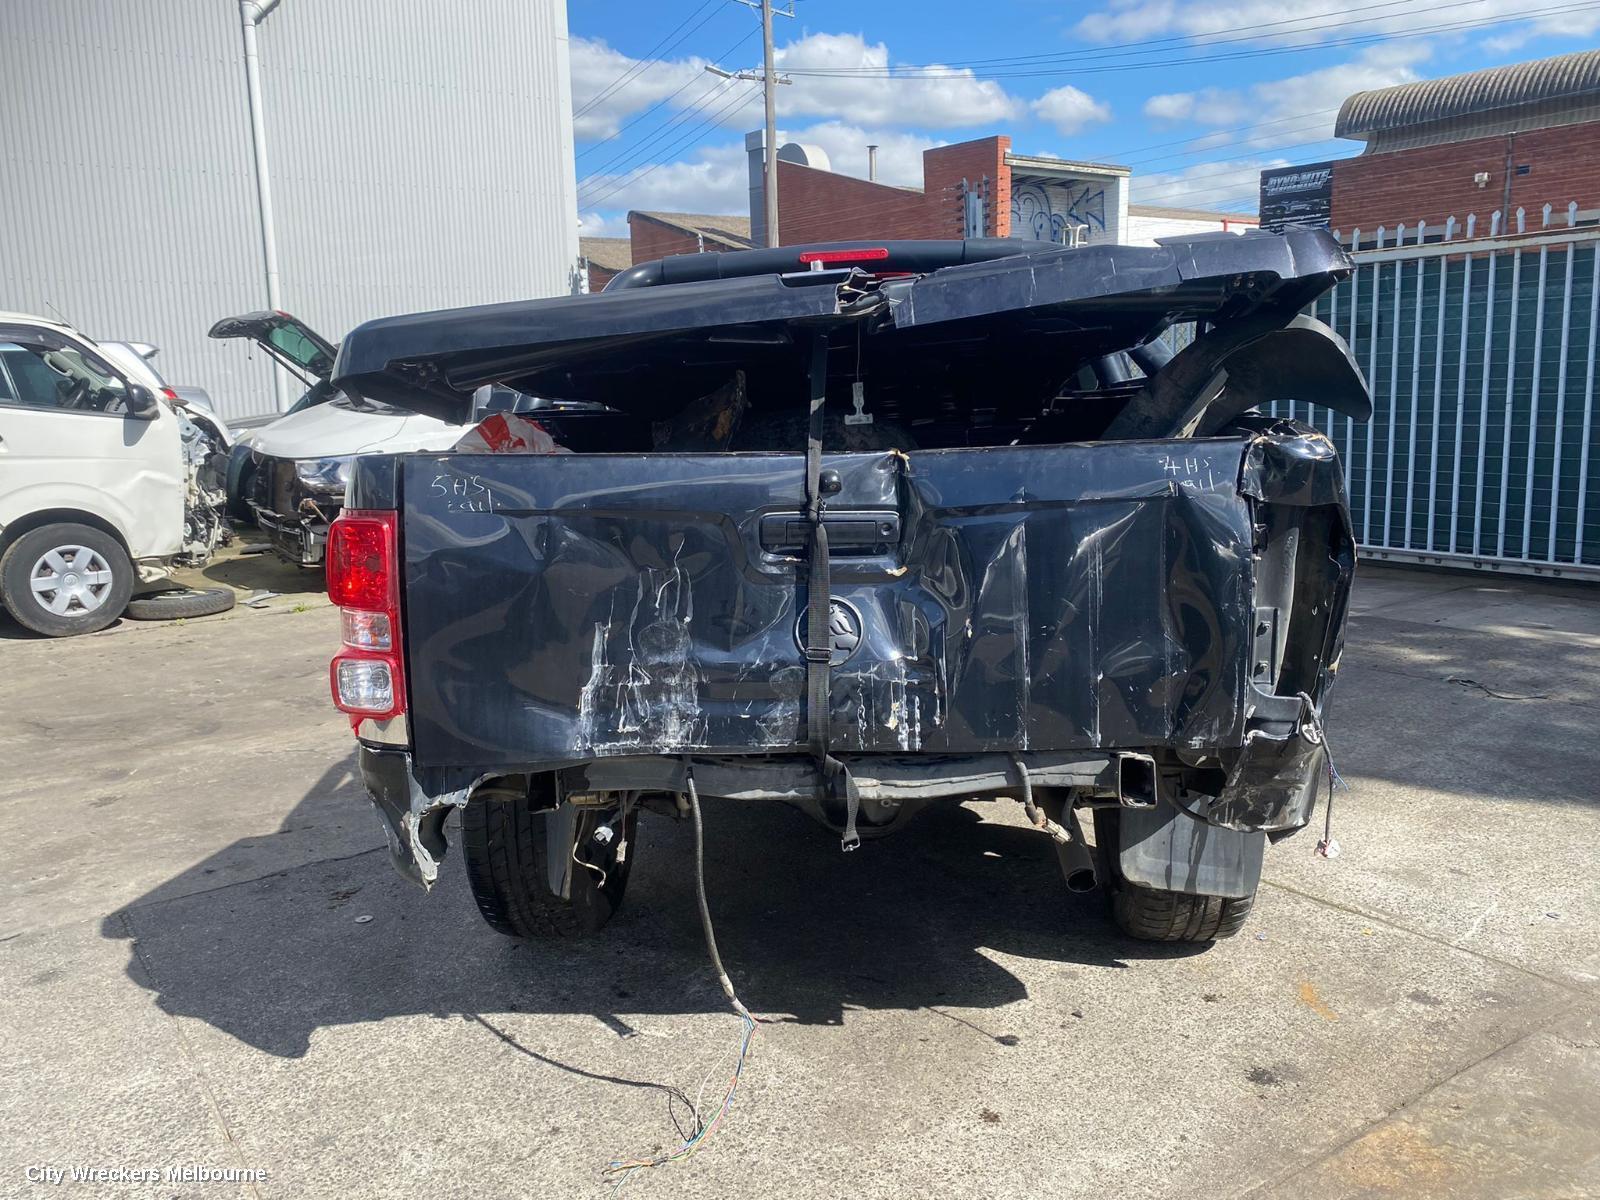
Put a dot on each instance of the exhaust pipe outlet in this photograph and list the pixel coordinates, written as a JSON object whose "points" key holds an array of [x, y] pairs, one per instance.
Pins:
{"points": [[1136, 780], [1076, 858], [1077, 866]]}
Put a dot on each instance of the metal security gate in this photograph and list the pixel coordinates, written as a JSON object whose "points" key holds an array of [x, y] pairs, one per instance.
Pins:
{"points": [[1480, 352]]}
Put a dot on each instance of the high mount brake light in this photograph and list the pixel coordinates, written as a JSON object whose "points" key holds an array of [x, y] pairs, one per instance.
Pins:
{"points": [[367, 675], [857, 255]]}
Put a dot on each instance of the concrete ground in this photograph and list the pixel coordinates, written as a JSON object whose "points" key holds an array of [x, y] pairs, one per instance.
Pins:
{"points": [[210, 962]]}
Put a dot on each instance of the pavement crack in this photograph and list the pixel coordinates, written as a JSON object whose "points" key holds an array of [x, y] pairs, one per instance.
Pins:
{"points": [[1380, 918], [190, 1058], [1284, 1176], [223, 887], [1357, 665]]}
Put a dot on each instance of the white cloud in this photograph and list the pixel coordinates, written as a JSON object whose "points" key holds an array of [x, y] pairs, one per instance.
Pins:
{"points": [[712, 181], [596, 67], [930, 97], [1291, 22], [1214, 185], [899, 154], [1267, 124], [595, 224], [1583, 24], [1070, 110], [715, 178], [1295, 110], [1174, 106]]}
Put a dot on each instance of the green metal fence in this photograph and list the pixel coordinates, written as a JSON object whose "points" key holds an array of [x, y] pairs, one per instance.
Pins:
{"points": [[1480, 352]]}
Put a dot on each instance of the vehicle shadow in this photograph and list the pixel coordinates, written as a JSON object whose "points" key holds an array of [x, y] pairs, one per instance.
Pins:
{"points": [[258, 570], [12, 630], [910, 922]]}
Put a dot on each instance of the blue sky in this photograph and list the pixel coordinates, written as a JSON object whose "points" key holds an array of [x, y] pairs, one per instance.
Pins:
{"points": [[1197, 98]]}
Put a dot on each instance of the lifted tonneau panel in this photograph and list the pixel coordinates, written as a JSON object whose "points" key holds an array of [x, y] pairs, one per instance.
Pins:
{"points": [[1011, 316]]}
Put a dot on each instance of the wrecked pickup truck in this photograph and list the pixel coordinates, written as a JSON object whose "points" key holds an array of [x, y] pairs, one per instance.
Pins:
{"points": [[862, 528]]}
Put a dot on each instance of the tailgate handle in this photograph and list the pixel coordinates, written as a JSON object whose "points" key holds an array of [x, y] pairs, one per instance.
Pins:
{"points": [[858, 533]]}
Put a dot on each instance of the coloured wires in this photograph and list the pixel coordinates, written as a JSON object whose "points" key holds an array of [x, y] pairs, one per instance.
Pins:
{"points": [[621, 1170]]}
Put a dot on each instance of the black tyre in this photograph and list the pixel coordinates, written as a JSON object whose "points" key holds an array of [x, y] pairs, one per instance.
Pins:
{"points": [[506, 842], [1157, 916], [66, 579], [1154, 915], [173, 603]]}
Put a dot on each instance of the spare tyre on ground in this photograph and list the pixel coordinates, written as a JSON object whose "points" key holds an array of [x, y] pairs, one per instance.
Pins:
{"points": [[170, 604]]}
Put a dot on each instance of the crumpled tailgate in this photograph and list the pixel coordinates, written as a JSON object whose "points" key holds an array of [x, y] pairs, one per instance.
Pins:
{"points": [[563, 608]]}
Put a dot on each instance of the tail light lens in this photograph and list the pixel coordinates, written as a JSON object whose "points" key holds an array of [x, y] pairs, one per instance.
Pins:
{"points": [[367, 674]]}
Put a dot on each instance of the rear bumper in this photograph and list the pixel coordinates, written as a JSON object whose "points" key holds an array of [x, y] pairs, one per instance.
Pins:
{"points": [[1174, 838]]}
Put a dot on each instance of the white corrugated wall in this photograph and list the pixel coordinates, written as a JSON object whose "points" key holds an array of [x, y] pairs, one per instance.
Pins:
{"points": [[421, 157]]}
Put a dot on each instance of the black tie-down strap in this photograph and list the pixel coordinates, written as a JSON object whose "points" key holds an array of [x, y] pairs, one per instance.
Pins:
{"points": [[819, 607]]}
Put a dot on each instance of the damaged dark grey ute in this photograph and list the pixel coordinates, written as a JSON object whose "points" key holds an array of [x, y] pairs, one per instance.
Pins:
{"points": [[862, 528]]}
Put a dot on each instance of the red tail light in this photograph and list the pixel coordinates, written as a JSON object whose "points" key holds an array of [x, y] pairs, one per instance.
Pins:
{"points": [[859, 254], [367, 675]]}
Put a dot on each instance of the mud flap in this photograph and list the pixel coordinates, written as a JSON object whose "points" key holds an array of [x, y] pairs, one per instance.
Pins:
{"points": [[1273, 787], [1165, 848]]}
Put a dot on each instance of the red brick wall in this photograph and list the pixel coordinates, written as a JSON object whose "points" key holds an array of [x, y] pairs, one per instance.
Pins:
{"points": [[944, 168], [822, 206], [599, 277], [1432, 183], [652, 240]]}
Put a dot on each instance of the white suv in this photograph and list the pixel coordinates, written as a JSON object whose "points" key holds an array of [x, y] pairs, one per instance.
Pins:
{"points": [[103, 480]]}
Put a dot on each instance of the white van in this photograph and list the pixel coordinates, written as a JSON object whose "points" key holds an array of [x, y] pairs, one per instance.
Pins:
{"points": [[104, 482]]}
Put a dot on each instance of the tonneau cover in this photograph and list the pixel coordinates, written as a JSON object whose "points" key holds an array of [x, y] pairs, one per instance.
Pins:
{"points": [[1100, 299]]}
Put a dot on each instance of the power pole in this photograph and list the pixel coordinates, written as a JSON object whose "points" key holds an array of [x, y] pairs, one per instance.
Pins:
{"points": [[769, 85]]}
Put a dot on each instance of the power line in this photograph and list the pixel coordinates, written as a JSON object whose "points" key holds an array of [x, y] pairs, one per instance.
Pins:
{"points": [[596, 198], [1233, 56], [1110, 49], [1133, 162], [626, 159], [652, 57], [664, 100], [1227, 166]]}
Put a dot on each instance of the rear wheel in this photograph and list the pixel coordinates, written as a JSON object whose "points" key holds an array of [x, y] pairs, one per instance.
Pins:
{"points": [[61, 580], [511, 842], [1155, 915]]}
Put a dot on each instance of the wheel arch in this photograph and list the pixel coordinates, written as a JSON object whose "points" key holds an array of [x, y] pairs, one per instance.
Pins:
{"points": [[41, 517]]}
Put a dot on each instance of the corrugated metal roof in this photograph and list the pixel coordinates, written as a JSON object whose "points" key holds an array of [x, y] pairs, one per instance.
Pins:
{"points": [[609, 254], [1561, 77], [732, 232]]}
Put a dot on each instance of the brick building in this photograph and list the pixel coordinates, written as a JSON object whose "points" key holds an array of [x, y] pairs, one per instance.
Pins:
{"points": [[658, 234], [972, 189], [601, 258], [1520, 136]]}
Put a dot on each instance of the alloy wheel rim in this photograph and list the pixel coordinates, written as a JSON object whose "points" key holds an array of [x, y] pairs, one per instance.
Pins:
{"points": [[69, 580]]}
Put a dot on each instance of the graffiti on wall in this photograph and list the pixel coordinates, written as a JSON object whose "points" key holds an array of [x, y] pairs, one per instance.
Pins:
{"points": [[1046, 212]]}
